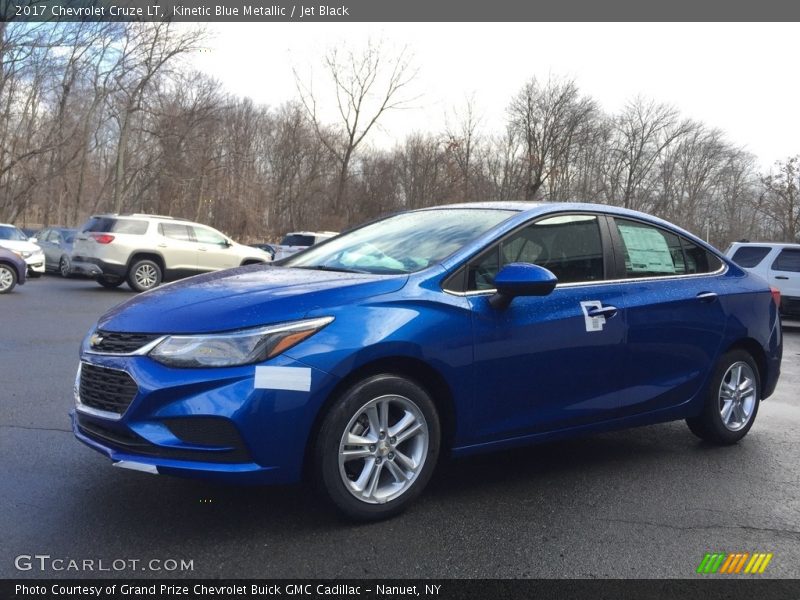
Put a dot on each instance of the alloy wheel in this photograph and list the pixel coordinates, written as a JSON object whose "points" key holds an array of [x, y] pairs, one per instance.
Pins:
{"points": [[737, 396], [145, 276], [383, 449], [6, 278]]}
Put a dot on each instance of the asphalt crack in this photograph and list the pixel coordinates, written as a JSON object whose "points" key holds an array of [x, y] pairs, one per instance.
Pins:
{"points": [[32, 428], [787, 532]]}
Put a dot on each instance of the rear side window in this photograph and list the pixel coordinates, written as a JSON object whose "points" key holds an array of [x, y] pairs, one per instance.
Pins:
{"points": [[111, 225], [788, 260], [750, 256], [175, 231], [654, 252], [298, 240]]}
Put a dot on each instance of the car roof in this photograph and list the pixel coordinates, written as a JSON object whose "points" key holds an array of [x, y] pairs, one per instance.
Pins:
{"points": [[535, 208], [771, 244]]}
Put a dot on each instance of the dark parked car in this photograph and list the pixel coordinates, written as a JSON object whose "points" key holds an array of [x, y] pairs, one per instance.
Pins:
{"points": [[12, 270], [457, 329], [57, 245]]}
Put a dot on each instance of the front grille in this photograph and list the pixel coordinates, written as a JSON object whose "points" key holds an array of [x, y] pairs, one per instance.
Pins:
{"points": [[106, 389], [121, 343]]}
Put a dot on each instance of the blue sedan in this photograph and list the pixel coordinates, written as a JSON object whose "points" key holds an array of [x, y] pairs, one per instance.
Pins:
{"points": [[450, 330]]}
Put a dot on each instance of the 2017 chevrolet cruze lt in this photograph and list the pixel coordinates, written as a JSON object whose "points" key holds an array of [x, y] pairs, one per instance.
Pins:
{"points": [[462, 328]]}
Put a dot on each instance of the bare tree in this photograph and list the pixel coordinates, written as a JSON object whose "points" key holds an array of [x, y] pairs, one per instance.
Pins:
{"points": [[547, 117], [366, 85], [781, 198]]}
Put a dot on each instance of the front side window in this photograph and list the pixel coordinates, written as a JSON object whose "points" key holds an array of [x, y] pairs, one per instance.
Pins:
{"points": [[788, 260], [568, 245], [750, 256], [654, 252], [207, 236]]}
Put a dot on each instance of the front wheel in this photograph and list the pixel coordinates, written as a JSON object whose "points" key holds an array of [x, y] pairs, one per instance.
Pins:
{"points": [[64, 266], [731, 402], [377, 447], [8, 279]]}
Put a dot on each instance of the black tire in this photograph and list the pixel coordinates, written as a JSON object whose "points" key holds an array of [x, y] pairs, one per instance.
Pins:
{"points": [[710, 425], [144, 275], [403, 397], [110, 282], [64, 267], [8, 279]]}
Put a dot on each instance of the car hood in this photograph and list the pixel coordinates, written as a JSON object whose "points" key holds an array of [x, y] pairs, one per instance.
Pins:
{"points": [[243, 297], [19, 246]]}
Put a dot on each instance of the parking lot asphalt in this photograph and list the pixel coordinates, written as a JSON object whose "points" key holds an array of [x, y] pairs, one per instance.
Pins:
{"points": [[648, 502]]}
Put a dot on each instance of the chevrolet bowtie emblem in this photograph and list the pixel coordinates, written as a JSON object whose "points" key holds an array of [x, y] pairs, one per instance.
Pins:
{"points": [[95, 340]]}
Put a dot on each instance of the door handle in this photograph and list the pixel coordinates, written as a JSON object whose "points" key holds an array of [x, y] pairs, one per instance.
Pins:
{"points": [[162, 245], [605, 311], [706, 296], [781, 277], [203, 249]]}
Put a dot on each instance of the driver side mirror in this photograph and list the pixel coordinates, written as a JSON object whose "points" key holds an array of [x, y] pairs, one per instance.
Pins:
{"points": [[521, 279], [33, 239]]}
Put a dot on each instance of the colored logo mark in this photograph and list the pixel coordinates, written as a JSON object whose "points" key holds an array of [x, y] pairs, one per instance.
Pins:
{"points": [[734, 563]]}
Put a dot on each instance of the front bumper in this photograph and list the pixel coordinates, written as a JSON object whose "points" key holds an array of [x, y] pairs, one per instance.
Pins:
{"points": [[202, 423], [35, 264]]}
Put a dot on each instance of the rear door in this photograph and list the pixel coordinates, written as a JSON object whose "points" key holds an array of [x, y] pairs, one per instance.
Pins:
{"points": [[178, 247], [675, 319], [784, 274]]}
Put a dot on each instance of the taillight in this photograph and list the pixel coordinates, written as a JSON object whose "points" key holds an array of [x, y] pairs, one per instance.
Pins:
{"points": [[102, 238], [776, 296]]}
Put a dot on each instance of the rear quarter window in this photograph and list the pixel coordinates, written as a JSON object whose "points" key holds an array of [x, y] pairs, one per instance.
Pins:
{"points": [[750, 256]]}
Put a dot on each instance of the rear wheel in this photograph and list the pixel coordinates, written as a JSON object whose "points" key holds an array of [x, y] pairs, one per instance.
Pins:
{"points": [[377, 447], [110, 282], [8, 279], [144, 275], [732, 400]]}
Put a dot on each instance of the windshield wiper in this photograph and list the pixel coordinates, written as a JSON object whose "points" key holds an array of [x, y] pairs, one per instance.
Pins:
{"points": [[333, 269]]}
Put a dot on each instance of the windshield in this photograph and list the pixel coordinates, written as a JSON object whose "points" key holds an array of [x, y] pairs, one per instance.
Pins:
{"points": [[401, 243], [13, 234]]}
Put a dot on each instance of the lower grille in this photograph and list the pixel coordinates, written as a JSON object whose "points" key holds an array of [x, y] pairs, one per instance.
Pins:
{"points": [[106, 389], [127, 441]]}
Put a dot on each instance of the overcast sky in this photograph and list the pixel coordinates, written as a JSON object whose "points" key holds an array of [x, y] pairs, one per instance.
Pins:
{"points": [[741, 78]]}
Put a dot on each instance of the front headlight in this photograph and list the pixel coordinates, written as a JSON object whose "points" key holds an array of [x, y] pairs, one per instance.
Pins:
{"points": [[22, 253], [235, 348]]}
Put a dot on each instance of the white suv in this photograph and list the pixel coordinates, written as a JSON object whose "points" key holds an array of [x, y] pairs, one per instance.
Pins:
{"points": [[12, 238], [294, 242], [779, 264], [145, 250]]}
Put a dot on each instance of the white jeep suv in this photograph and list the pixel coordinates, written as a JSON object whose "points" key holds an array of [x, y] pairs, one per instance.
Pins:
{"points": [[778, 264], [145, 250]]}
